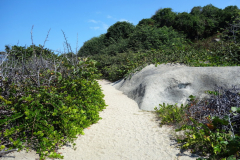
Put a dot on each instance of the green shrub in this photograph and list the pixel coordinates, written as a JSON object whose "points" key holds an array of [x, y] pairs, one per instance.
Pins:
{"points": [[114, 67], [118, 31], [16, 53], [147, 37], [119, 47], [47, 117], [170, 114], [164, 17], [208, 138], [148, 22], [92, 46]]}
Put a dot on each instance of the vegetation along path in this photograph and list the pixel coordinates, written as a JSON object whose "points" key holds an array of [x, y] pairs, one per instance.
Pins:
{"points": [[124, 133]]}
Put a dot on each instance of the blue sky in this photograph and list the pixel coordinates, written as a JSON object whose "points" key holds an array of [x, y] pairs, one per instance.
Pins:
{"points": [[87, 18]]}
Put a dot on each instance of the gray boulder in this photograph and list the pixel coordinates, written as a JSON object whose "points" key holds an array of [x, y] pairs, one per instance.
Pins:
{"points": [[171, 84]]}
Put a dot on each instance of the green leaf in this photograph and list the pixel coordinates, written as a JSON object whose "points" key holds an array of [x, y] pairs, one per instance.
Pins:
{"points": [[2, 147], [217, 149], [224, 142], [235, 109], [59, 78]]}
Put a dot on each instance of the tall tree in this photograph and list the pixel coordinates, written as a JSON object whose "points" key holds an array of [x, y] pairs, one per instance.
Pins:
{"points": [[196, 10], [198, 26], [212, 16], [164, 17], [184, 22], [147, 21], [229, 14], [92, 46], [147, 37], [119, 30]]}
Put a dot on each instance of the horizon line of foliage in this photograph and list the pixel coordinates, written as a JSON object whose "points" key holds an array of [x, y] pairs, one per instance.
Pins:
{"points": [[163, 27], [18, 53]]}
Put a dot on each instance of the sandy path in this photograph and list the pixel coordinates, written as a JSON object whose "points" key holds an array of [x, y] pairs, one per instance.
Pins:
{"points": [[124, 133]]}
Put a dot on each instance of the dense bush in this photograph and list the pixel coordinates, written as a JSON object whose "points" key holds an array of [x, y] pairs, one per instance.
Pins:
{"points": [[114, 67], [45, 117], [192, 25], [164, 17], [164, 28], [147, 37], [213, 121], [113, 49], [92, 46], [201, 22], [212, 19], [124, 64], [118, 31], [229, 14], [19, 53], [148, 21]]}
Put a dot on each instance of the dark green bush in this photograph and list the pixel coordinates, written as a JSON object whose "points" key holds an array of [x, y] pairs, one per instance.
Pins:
{"points": [[118, 31], [229, 15], [147, 21], [191, 25], [164, 17], [151, 33], [113, 49], [147, 37], [114, 67], [201, 22], [92, 46]]}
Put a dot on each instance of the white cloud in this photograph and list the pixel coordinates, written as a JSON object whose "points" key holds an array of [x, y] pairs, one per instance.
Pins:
{"points": [[101, 25], [95, 28], [92, 21], [122, 20], [104, 26], [110, 17]]}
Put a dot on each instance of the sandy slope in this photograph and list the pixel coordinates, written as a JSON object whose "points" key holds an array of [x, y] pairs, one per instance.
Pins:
{"points": [[124, 133]]}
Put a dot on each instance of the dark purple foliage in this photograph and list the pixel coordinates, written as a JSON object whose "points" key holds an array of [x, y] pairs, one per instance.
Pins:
{"points": [[219, 106]]}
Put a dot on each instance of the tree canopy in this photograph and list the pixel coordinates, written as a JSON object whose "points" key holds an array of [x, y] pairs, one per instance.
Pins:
{"points": [[200, 23]]}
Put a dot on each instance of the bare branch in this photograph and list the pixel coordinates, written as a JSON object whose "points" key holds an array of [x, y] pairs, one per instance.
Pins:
{"points": [[46, 38], [31, 34]]}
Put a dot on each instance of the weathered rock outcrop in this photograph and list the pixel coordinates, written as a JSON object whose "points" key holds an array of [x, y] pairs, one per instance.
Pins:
{"points": [[171, 84]]}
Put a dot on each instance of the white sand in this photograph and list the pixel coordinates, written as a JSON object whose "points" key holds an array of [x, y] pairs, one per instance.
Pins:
{"points": [[124, 133]]}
